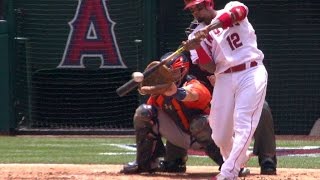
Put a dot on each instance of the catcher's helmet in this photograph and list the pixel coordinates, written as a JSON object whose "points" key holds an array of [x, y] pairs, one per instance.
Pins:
{"points": [[191, 27], [179, 65], [189, 3]]}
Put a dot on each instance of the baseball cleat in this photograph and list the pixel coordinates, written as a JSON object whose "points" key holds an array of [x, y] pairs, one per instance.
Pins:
{"points": [[133, 168], [177, 166], [244, 172], [268, 167]]}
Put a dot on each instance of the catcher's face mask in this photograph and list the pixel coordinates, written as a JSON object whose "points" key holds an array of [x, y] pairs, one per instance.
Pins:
{"points": [[180, 68], [191, 27]]}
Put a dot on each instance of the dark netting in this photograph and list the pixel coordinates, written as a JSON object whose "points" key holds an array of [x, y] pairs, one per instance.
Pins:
{"points": [[49, 97], [288, 32], [46, 97]]}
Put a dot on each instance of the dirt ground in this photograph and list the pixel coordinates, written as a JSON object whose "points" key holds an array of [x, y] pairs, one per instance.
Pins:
{"points": [[111, 172]]}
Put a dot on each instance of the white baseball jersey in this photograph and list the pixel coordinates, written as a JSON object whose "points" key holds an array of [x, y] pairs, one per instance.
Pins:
{"points": [[238, 96], [231, 46]]}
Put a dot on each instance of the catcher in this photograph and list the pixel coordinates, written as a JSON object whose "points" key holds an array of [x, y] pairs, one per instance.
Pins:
{"points": [[177, 110]]}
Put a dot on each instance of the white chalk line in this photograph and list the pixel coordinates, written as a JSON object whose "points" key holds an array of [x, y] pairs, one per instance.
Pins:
{"points": [[133, 150]]}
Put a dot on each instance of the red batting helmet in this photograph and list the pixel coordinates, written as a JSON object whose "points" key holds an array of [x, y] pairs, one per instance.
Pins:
{"points": [[189, 3]]}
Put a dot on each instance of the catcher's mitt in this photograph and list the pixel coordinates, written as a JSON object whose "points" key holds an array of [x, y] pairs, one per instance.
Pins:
{"points": [[158, 82]]}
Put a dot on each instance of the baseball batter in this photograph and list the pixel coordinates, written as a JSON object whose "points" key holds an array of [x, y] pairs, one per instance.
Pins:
{"points": [[264, 137], [225, 43]]}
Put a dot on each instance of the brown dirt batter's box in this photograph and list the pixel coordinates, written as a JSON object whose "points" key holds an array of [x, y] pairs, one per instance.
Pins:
{"points": [[96, 172]]}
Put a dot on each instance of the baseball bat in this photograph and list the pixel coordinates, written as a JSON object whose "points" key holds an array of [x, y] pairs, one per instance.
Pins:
{"points": [[131, 84]]}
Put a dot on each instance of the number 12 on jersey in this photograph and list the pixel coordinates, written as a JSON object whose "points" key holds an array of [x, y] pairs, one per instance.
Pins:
{"points": [[234, 41]]}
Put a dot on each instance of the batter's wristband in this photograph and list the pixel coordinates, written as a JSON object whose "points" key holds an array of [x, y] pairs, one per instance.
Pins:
{"points": [[180, 94], [226, 20], [239, 12]]}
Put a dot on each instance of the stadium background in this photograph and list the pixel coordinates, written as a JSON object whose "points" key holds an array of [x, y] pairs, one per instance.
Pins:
{"points": [[37, 97]]}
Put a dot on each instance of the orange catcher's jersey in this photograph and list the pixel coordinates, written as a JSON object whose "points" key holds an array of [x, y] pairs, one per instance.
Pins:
{"points": [[181, 111], [204, 96]]}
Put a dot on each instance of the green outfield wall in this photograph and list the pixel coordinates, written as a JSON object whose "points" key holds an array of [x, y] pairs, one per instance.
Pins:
{"points": [[4, 78]]}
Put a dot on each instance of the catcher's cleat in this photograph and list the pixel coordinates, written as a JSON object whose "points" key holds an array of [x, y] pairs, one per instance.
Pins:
{"points": [[133, 168], [244, 172], [268, 167], [177, 166]]}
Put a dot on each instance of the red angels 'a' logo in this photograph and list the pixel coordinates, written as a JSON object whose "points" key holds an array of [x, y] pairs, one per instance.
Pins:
{"points": [[91, 35]]}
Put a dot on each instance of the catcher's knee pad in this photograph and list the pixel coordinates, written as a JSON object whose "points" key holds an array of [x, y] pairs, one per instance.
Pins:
{"points": [[145, 116], [200, 129]]}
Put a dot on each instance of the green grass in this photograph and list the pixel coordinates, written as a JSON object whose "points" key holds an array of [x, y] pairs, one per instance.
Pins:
{"points": [[78, 150]]}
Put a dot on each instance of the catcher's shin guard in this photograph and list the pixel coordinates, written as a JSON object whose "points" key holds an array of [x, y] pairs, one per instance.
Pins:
{"points": [[213, 152], [147, 167], [201, 131], [149, 144], [175, 159], [149, 148]]}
